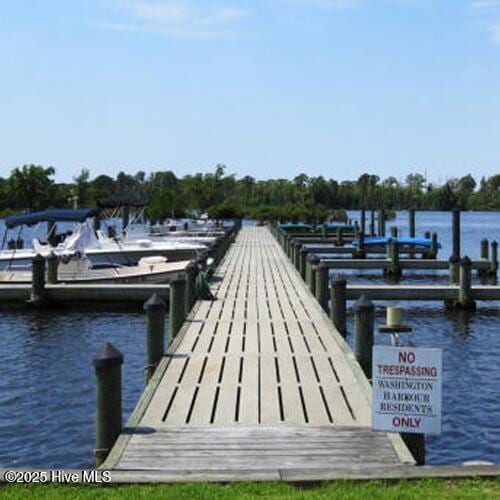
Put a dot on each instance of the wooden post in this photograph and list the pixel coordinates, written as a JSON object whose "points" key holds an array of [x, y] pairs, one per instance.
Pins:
{"points": [[485, 249], [364, 320], [416, 445], [52, 265], [456, 232], [494, 259], [394, 269], [37, 296], [340, 240], [362, 223], [311, 261], [302, 265], [321, 286], [177, 310], [296, 254], [360, 253], [411, 223], [434, 246], [394, 232], [465, 300], [372, 222], [191, 272], [381, 222], [107, 363], [155, 309], [454, 266], [427, 235], [338, 304]]}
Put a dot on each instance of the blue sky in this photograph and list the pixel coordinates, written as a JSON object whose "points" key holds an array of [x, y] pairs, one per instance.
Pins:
{"points": [[270, 88]]}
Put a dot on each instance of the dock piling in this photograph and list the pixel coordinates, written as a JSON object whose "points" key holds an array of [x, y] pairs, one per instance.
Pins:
{"points": [[494, 259], [302, 264], [107, 363], [434, 246], [155, 309], [340, 239], [364, 321], [311, 261], [454, 267], [362, 224], [37, 296], [372, 222], [394, 269], [191, 272], [465, 300], [321, 285], [394, 231], [485, 249], [338, 304], [177, 309], [456, 232], [411, 223], [52, 265]]}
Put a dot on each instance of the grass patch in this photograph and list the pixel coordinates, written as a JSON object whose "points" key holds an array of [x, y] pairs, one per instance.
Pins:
{"points": [[373, 490]]}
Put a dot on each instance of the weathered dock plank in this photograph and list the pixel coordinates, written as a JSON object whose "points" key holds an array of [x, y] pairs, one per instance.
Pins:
{"points": [[260, 381]]}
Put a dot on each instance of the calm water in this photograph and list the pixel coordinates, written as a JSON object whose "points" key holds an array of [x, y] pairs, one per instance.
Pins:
{"points": [[47, 385]]}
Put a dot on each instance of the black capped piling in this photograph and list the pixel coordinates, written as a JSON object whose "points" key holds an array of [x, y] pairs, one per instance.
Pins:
{"points": [[321, 285], [177, 309], [364, 320], [456, 232], [108, 375], [338, 304], [37, 295], [411, 223], [52, 268], [494, 259], [155, 309]]}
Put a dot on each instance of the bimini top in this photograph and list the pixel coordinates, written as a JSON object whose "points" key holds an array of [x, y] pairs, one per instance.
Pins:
{"points": [[51, 215], [406, 241]]}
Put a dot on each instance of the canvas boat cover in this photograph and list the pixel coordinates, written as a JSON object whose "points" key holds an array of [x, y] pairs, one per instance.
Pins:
{"points": [[51, 215]]}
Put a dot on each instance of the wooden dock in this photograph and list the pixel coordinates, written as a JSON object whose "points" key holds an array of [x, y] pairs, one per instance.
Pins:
{"points": [[257, 385]]}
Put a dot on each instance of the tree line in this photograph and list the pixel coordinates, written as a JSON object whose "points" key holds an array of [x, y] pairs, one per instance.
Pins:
{"points": [[221, 195]]}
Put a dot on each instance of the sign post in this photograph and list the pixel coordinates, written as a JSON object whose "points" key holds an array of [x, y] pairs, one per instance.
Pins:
{"points": [[407, 389]]}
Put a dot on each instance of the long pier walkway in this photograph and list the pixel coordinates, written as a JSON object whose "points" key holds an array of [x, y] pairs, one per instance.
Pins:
{"points": [[260, 386]]}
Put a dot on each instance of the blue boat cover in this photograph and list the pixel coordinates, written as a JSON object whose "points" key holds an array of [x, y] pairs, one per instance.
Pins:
{"points": [[51, 215], [383, 240]]}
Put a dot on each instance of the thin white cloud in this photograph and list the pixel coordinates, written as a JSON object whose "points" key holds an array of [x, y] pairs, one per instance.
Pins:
{"points": [[183, 18], [487, 13]]}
